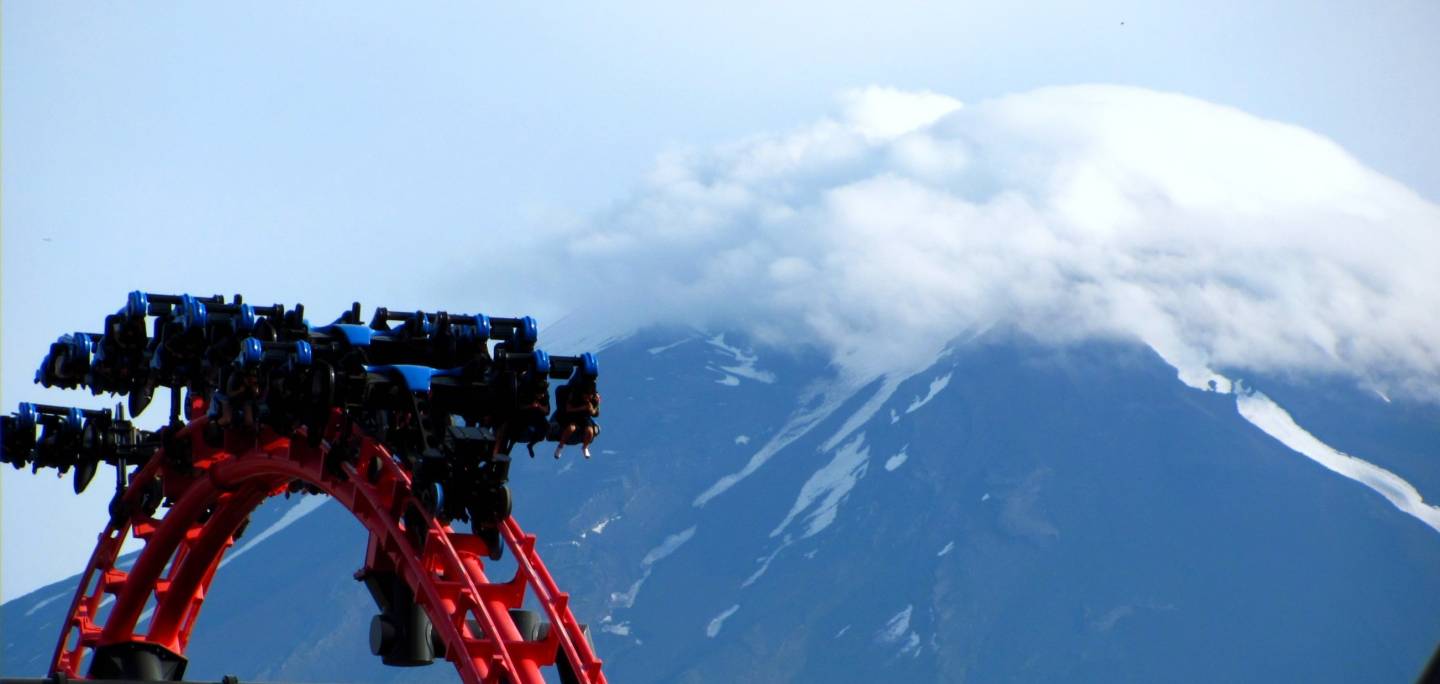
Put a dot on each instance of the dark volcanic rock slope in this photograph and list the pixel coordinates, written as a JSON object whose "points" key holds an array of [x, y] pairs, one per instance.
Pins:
{"points": [[1013, 513]]}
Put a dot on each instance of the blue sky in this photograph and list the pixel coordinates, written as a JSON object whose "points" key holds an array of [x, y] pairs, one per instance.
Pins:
{"points": [[326, 152]]}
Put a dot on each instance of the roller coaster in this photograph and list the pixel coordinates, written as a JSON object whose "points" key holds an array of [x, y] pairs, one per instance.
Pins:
{"points": [[408, 421]]}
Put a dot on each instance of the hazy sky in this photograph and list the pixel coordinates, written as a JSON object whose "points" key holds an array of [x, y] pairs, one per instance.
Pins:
{"points": [[328, 152]]}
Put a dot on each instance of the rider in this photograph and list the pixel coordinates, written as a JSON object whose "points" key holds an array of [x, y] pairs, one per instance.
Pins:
{"points": [[534, 404], [243, 391], [576, 409]]}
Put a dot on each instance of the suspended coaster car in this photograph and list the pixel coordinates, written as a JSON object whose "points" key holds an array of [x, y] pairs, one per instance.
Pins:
{"points": [[408, 422]]}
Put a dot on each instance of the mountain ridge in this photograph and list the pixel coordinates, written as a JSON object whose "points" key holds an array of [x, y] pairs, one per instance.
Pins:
{"points": [[1070, 513]]}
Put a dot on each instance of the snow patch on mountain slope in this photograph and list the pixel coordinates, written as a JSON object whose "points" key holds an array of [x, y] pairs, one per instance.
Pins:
{"points": [[936, 386], [307, 505], [911, 646], [1189, 364], [888, 385], [626, 599], [47, 601], [599, 527], [1273, 420], [896, 627], [799, 424], [897, 460], [662, 551], [712, 630], [831, 483], [830, 398], [608, 626], [1265, 414], [897, 631], [744, 364], [827, 488], [671, 544], [667, 347], [765, 562]]}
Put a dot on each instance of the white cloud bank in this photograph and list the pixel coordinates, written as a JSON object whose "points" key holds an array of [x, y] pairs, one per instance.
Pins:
{"points": [[883, 233]]}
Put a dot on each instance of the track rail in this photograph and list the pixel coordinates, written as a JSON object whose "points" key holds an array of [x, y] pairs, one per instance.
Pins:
{"points": [[212, 493]]}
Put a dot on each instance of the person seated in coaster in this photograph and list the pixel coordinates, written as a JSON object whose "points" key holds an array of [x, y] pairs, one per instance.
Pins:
{"points": [[532, 415], [577, 406], [240, 403]]}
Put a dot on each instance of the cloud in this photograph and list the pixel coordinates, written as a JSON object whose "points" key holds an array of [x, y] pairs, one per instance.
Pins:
{"points": [[907, 220]]}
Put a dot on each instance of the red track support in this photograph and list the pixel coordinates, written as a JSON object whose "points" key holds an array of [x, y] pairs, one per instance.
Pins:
{"points": [[443, 568]]}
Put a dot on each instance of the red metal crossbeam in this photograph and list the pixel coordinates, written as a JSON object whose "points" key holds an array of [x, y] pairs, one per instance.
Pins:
{"points": [[443, 568]]}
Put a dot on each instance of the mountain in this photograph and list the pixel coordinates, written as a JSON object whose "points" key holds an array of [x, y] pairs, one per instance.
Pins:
{"points": [[1014, 512]]}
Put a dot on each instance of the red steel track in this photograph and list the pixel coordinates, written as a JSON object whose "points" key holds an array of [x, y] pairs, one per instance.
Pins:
{"points": [[217, 491]]}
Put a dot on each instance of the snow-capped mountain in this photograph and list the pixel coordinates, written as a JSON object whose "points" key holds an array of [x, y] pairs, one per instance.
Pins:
{"points": [[1013, 511]]}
